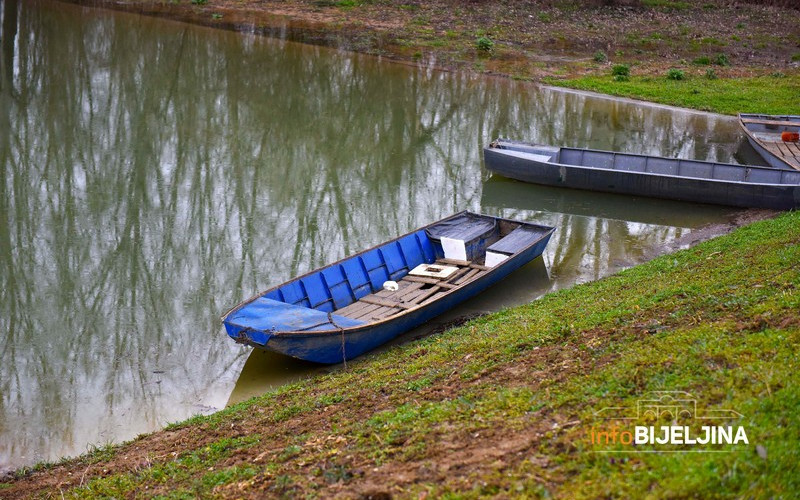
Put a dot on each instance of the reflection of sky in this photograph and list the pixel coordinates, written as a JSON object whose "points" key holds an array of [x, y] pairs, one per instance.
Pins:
{"points": [[154, 174]]}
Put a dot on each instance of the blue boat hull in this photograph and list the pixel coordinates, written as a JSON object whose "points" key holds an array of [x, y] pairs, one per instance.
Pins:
{"points": [[327, 347], [336, 341]]}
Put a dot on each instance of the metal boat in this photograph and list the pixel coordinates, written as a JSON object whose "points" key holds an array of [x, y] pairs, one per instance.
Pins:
{"points": [[643, 175]]}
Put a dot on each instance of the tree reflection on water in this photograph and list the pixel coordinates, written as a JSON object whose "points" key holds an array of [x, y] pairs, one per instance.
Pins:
{"points": [[154, 174]]}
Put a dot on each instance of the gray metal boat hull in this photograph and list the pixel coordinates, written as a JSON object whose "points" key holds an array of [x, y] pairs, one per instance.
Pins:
{"points": [[669, 178]]}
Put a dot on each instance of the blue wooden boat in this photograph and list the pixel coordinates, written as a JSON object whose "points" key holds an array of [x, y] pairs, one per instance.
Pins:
{"points": [[643, 175], [764, 132], [345, 309]]}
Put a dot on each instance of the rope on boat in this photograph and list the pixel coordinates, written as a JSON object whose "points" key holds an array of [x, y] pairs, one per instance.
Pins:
{"points": [[341, 332]]}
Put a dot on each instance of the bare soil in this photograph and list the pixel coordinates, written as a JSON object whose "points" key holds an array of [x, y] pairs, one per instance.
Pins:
{"points": [[531, 39]]}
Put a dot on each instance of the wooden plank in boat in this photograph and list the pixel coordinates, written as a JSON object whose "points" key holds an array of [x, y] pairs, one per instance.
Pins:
{"points": [[382, 312], [355, 310], [783, 150], [420, 279], [453, 262], [794, 147], [374, 299], [405, 287], [461, 272], [467, 277], [422, 298], [364, 313], [411, 290], [433, 298], [456, 262], [430, 281]]}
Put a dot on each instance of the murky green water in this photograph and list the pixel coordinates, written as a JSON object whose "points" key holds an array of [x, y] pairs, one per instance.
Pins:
{"points": [[156, 173]]}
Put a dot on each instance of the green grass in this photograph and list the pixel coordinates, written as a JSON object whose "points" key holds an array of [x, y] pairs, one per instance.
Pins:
{"points": [[667, 4], [763, 94], [718, 320]]}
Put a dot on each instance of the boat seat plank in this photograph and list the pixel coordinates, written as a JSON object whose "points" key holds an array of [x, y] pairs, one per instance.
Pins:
{"points": [[464, 228], [516, 240]]}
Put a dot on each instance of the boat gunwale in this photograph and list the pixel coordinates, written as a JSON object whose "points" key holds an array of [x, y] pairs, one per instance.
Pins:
{"points": [[656, 174], [368, 325]]}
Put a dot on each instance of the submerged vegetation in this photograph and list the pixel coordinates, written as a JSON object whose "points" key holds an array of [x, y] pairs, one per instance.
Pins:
{"points": [[505, 404]]}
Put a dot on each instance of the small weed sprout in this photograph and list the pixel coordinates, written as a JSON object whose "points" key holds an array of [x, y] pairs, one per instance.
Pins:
{"points": [[722, 60], [600, 57], [675, 74], [484, 44], [621, 72], [711, 74]]}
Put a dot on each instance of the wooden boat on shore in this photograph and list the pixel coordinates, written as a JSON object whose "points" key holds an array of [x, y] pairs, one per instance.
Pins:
{"points": [[356, 304], [642, 175], [774, 137]]}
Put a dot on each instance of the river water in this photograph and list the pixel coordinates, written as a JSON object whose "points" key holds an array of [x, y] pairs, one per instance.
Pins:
{"points": [[156, 173]]}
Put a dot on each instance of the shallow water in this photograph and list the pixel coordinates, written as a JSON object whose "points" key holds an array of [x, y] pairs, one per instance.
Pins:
{"points": [[156, 173]]}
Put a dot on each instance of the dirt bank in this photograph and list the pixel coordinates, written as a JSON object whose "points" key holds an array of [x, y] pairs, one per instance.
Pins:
{"points": [[522, 39]]}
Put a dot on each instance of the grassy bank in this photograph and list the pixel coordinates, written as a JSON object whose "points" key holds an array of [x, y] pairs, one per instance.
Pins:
{"points": [[505, 404], [775, 94]]}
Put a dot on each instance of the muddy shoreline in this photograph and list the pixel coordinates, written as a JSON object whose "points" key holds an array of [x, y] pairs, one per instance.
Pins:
{"points": [[530, 40]]}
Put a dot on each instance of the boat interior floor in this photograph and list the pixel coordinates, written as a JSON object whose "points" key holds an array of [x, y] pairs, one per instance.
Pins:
{"points": [[412, 291]]}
